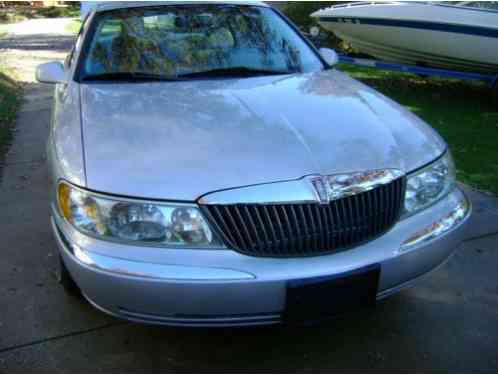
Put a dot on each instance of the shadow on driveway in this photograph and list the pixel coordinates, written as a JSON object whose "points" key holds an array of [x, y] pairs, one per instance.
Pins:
{"points": [[40, 42]]}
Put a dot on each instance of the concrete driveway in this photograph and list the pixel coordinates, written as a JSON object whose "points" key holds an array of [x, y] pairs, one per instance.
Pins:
{"points": [[448, 323]]}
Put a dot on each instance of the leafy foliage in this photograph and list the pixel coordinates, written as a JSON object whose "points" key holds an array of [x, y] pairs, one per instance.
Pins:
{"points": [[56, 12], [299, 11], [11, 17], [22, 13]]}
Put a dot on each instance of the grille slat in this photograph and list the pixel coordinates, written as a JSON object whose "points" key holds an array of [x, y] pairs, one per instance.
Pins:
{"points": [[244, 232], [367, 204], [299, 240], [337, 223], [273, 242], [314, 238], [345, 218], [392, 202], [282, 239], [380, 221], [376, 204], [290, 230], [237, 233], [261, 225], [357, 219], [387, 203], [258, 243], [289, 227], [331, 227], [222, 227], [307, 237], [354, 230], [327, 228], [321, 231]]}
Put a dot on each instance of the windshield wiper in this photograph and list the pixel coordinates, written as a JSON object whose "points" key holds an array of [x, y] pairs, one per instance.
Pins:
{"points": [[129, 77], [239, 71]]}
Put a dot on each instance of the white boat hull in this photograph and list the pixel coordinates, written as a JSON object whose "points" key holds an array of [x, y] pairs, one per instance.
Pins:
{"points": [[419, 34]]}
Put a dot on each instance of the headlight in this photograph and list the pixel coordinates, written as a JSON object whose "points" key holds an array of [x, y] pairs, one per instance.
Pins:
{"points": [[428, 185], [168, 225]]}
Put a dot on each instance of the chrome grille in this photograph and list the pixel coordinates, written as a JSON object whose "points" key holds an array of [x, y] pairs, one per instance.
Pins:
{"points": [[307, 229]]}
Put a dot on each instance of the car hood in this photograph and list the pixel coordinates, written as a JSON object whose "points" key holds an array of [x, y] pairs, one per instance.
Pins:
{"points": [[181, 140]]}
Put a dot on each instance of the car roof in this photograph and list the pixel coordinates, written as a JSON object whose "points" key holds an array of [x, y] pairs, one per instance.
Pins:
{"points": [[111, 5]]}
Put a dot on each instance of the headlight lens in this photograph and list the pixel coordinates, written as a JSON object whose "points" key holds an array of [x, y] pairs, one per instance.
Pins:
{"points": [[169, 225], [427, 186]]}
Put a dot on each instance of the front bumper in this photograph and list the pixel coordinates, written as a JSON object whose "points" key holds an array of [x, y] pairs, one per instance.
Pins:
{"points": [[225, 288]]}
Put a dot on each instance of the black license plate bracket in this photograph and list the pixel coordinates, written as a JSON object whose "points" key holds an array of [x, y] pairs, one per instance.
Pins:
{"points": [[315, 299]]}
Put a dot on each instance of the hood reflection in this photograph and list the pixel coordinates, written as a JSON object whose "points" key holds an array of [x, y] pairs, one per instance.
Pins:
{"points": [[154, 139]]}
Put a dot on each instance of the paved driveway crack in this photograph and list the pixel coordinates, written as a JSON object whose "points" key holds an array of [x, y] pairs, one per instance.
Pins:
{"points": [[60, 337]]}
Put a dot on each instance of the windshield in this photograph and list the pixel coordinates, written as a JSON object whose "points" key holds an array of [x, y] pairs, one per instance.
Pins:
{"points": [[188, 40]]}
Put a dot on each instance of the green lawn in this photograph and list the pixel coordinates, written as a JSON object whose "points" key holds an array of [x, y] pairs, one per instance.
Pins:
{"points": [[10, 99], [463, 113], [73, 27], [55, 12], [3, 30]]}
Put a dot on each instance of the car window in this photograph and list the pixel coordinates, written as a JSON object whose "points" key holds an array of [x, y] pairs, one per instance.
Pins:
{"points": [[179, 40]]}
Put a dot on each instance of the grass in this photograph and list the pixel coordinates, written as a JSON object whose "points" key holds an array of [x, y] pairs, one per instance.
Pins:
{"points": [[56, 12], [463, 113], [10, 100], [11, 17], [73, 27]]}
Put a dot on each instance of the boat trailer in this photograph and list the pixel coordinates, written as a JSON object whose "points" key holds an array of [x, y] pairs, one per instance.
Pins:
{"points": [[490, 79]]}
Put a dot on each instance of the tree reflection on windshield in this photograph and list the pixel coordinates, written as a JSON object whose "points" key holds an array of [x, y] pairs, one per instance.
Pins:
{"points": [[181, 40]]}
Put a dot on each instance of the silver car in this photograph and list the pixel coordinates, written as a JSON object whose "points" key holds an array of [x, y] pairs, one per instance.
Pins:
{"points": [[210, 167]]}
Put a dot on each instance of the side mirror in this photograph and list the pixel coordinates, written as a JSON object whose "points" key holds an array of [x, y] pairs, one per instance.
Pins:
{"points": [[329, 55], [52, 72]]}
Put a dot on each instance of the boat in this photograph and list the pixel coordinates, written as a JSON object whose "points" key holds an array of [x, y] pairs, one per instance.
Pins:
{"points": [[459, 36]]}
